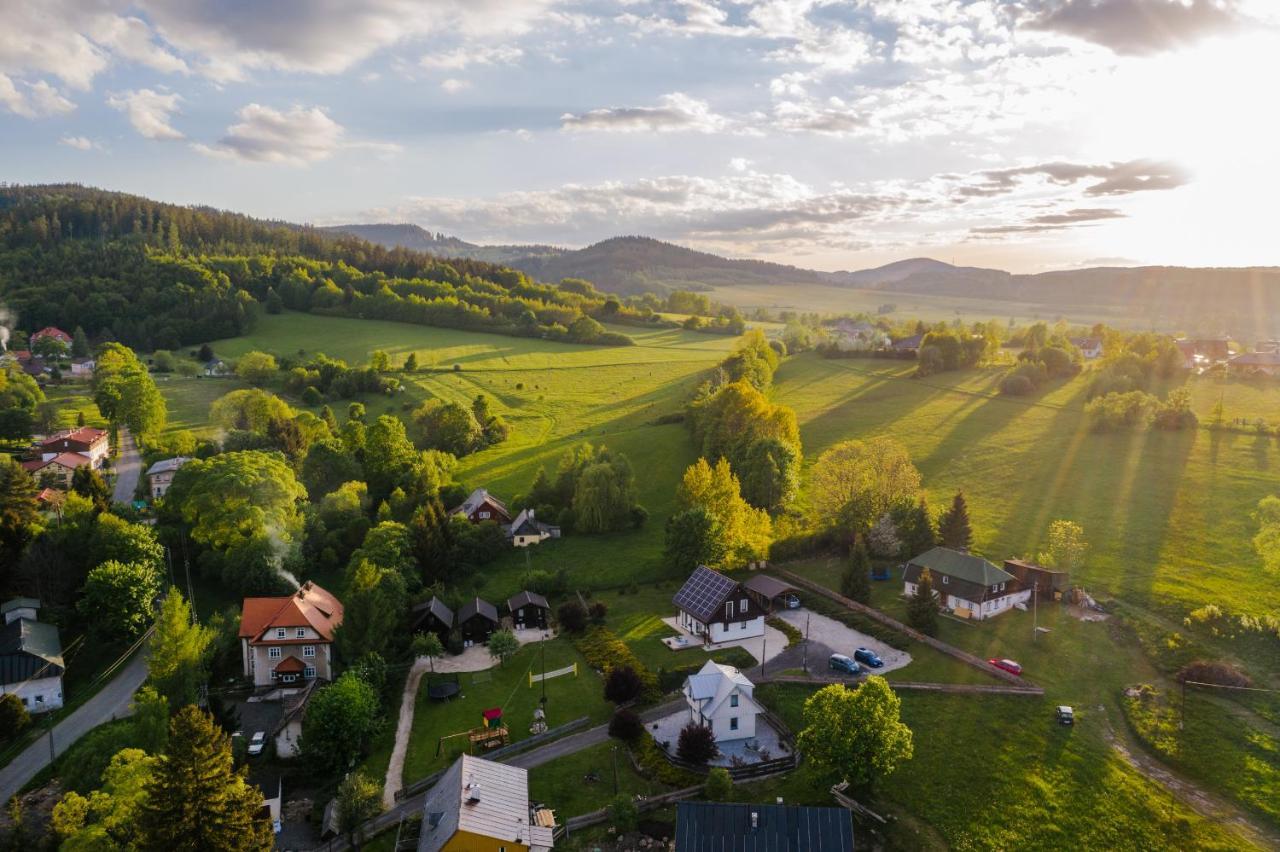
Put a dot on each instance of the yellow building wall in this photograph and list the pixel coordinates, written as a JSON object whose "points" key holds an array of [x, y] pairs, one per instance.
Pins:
{"points": [[465, 841]]}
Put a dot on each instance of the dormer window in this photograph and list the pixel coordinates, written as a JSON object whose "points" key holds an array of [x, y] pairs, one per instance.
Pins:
{"points": [[944, 579], [279, 632], [300, 633]]}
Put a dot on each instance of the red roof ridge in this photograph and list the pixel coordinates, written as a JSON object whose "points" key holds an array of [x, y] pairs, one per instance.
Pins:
{"points": [[257, 615]]}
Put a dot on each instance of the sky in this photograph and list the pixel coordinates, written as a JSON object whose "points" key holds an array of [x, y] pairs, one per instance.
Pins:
{"points": [[1026, 135]]}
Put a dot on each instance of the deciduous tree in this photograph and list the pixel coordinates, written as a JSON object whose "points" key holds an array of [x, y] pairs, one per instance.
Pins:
{"points": [[118, 597], [502, 644], [340, 719], [1067, 547], [257, 368], [745, 531], [856, 482], [855, 735], [693, 538], [176, 664]]}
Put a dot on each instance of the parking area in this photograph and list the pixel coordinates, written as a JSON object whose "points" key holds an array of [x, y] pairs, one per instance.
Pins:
{"points": [[842, 639]]}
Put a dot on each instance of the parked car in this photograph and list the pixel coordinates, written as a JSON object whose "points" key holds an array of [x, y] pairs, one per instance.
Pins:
{"points": [[792, 601], [1066, 716], [1008, 665], [868, 656], [258, 742], [841, 663]]}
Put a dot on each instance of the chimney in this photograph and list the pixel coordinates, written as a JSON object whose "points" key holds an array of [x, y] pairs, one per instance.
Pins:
{"points": [[473, 792]]}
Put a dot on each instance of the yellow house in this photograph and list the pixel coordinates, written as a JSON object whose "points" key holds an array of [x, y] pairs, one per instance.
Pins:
{"points": [[482, 806]]}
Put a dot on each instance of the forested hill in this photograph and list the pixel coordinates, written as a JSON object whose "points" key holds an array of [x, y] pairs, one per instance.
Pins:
{"points": [[420, 239], [155, 275]]}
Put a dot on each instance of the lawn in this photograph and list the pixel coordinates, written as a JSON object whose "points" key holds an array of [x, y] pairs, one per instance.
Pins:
{"points": [[507, 686], [584, 781]]}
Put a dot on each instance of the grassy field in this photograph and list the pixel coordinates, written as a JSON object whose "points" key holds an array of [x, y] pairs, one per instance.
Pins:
{"points": [[568, 697], [1167, 516], [583, 782]]}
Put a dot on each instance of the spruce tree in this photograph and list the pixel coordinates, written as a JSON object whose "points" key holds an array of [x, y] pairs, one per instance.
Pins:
{"points": [[856, 583], [79, 343], [953, 526], [196, 800], [915, 527], [922, 608]]}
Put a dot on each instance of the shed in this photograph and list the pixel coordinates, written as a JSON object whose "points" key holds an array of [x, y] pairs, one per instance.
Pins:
{"points": [[477, 619], [766, 591], [433, 617], [529, 609]]}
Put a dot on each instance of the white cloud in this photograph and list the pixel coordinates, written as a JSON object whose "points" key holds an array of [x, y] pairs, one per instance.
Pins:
{"points": [[80, 143], [453, 85], [296, 137], [150, 112], [32, 100], [1141, 26], [130, 38], [675, 112], [461, 58]]}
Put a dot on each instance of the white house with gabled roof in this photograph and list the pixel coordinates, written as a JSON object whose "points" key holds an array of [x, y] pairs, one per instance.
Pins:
{"points": [[721, 698]]}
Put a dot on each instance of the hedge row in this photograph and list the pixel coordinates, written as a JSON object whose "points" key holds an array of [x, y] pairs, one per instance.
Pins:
{"points": [[605, 651]]}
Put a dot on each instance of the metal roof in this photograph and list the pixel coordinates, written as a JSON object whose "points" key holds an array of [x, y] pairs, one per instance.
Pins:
{"points": [[477, 606], [436, 607], [29, 649], [966, 566], [480, 797], [525, 598], [770, 587], [476, 499], [717, 827], [19, 603], [166, 465], [703, 593]]}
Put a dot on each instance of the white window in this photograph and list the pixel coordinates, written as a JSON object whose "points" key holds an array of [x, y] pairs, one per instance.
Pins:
{"points": [[728, 609], [733, 723], [944, 579], [300, 633], [309, 672], [308, 650], [743, 604], [279, 632], [484, 516], [273, 653], [733, 700]]}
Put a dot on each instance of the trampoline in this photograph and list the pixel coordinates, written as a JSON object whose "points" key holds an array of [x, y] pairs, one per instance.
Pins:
{"points": [[441, 687]]}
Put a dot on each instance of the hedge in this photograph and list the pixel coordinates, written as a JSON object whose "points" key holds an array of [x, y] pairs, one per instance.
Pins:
{"points": [[605, 651]]}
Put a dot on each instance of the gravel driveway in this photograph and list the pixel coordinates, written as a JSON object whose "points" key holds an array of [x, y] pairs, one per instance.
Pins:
{"points": [[842, 639]]}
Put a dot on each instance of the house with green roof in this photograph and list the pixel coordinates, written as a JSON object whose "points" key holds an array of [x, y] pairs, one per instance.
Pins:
{"points": [[968, 585], [31, 665]]}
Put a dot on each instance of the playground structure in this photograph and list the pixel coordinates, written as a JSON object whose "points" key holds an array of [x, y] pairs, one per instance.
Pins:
{"points": [[570, 669], [490, 735]]}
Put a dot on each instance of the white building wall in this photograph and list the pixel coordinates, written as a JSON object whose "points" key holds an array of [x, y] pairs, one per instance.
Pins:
{"points": [[721, 725], [48, 691], [735, 630]]}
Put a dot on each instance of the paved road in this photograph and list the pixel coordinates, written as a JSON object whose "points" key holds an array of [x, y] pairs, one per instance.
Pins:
{"points": [[111, 702], [128, 468]]}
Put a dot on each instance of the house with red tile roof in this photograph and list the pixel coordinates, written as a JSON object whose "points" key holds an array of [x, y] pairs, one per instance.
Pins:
{"points": [[93, 444], [289, 640], [60, 467], [50, 331]]}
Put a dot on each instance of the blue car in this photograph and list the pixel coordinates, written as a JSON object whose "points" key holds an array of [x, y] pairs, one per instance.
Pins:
{"points": [[866, 655], [841, 663]]}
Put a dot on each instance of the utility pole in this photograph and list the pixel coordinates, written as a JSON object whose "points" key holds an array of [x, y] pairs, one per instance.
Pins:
{"points": [[1035, 612], [48, 719], [614, 751], [543, 646], [805, 656]]}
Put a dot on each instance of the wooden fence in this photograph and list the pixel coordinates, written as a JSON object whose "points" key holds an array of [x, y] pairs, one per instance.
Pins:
{"points": [[577, 823], [894, 624]]}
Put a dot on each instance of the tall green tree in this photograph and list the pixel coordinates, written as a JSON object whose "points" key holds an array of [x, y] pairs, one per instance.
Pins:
{"points": [[79, 343], [745, 532], [19, 512], [373, 608], [915, 527], [604, 494], [855, 735], [953, 527], [339, 722], [448, 426], [257, 368], [770, 473], [176, 663], [109, 819], [922, 606], [88, 483], [388, 456], [196, 799], [855, 483], [694, 538], [359, 800], [856, 582], [118, 599], [125, 392]]}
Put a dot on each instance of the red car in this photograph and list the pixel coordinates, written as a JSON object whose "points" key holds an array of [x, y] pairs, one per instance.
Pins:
{"points": [[1008, 665]]}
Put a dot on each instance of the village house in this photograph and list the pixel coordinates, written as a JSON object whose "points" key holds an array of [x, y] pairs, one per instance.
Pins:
{"points": [[481, 506], [529, 610], [482, 806], [717, 608], [83, 367], [59, 469], [1090, 347], [92, 444], [968, 585], [908, 345], [160, 475], [1201, 352], [31, 664], [705, 826], [1259, 363], [526, 530], [433, 617], [52, 332], [720, 698], [289, 639], [857, 336], [477, 619]]}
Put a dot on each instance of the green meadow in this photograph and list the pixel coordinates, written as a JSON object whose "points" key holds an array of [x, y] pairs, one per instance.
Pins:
{"points": [[1167, 516]]}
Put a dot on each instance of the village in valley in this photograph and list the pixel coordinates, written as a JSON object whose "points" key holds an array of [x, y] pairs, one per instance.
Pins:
{"points": [[446, 619]]}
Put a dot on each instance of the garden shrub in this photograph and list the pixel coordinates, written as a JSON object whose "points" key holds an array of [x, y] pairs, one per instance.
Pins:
{"points": [[1209, 671], [572, 616], [626, 725], [697, 744], [606, 652]]}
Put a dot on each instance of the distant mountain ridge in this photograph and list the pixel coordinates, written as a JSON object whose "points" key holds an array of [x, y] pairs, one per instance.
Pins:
{"points": [[634, 264]]}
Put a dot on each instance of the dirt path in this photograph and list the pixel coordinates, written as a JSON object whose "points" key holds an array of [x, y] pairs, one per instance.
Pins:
{"points": [[1208, 805], [395, 769]]}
